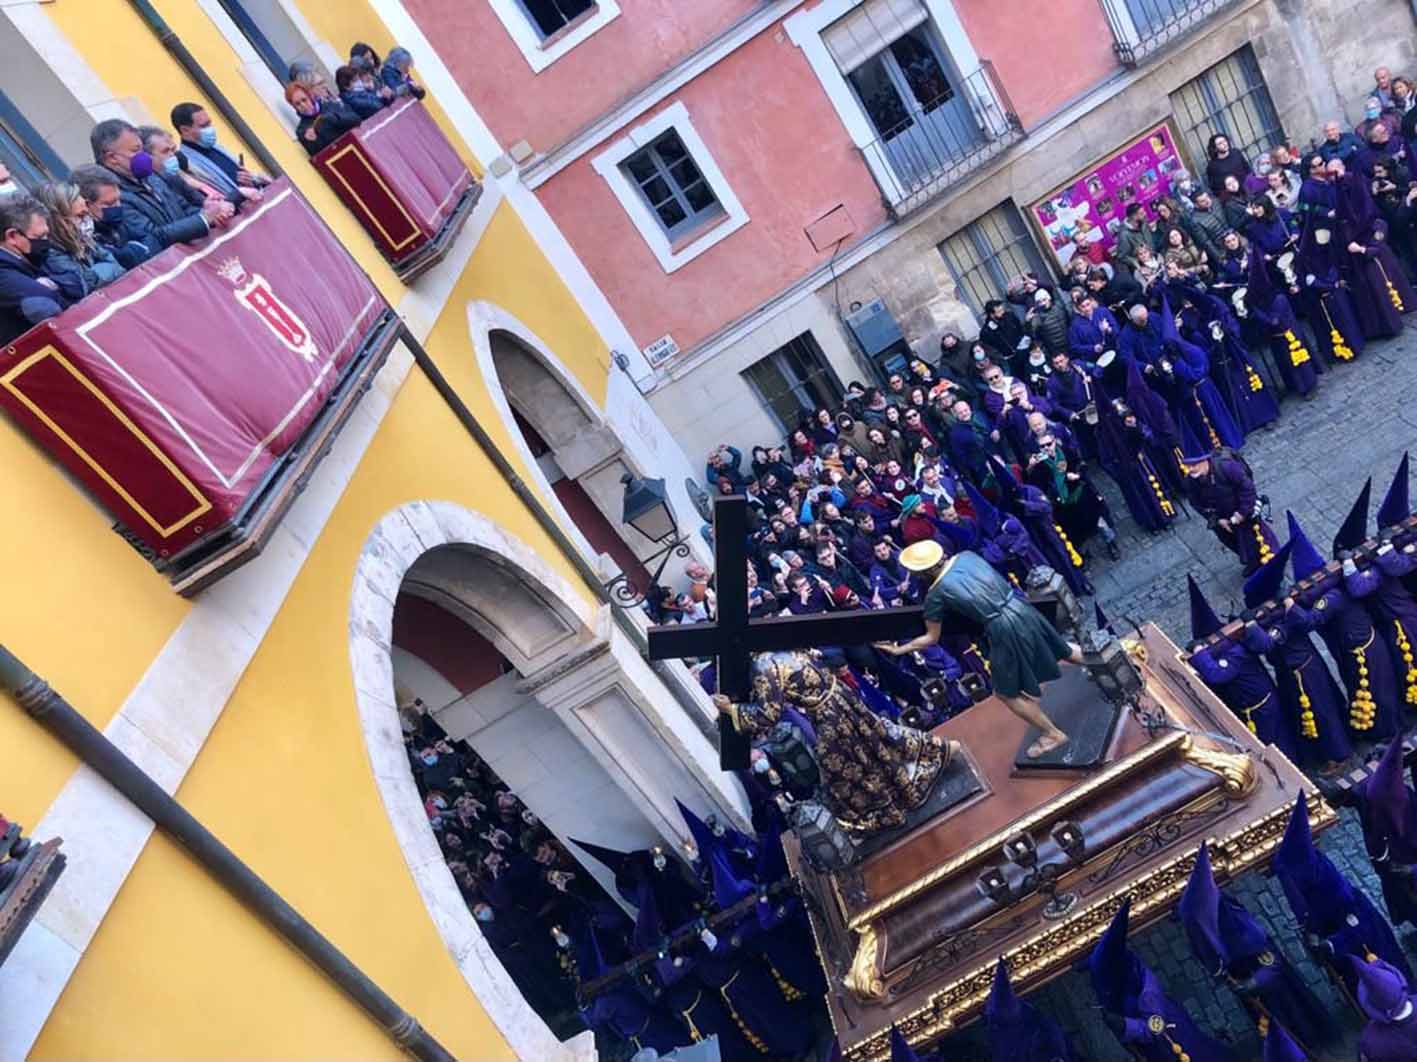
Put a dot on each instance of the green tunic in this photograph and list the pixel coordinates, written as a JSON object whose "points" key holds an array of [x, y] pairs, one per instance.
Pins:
{"points": [[1024, 649]]}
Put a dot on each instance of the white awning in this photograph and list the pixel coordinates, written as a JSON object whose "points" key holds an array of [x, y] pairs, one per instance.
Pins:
{"points": [[867, 31]]}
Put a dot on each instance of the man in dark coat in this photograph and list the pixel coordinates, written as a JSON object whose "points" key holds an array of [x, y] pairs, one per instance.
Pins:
{"points": [[154, 211], [26, 296], [1221, 489]]}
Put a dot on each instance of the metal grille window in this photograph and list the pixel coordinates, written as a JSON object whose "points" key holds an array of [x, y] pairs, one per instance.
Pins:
{"points": [[672, 184], [987, 253], [793, 379], [1229, 98], [552, 16]]}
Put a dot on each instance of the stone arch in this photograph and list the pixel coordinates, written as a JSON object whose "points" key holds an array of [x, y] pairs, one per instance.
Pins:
{"points": [[570, 658], [525, 379]]}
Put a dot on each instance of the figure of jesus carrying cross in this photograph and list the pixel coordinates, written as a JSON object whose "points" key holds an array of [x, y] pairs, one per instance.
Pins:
{"points": [[966, 596]]}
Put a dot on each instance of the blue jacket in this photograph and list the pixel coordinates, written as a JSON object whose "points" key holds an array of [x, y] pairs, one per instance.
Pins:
{"points": [[401, 83], [78, 278], [156, 214], [364, 104], [1348, 146], [24, 300]]}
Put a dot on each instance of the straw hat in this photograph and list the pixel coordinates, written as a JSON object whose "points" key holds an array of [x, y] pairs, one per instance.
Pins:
{"points": [[922, 556]]}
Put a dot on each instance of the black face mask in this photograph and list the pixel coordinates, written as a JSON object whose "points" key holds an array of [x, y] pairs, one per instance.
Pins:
{"points": [[39, 251]]}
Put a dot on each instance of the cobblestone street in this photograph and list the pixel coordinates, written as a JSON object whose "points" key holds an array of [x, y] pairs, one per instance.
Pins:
{"points": [[1313, 462]]}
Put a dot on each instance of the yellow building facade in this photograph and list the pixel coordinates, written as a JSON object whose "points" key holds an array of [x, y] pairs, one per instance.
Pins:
{"points": [[268, 703]]}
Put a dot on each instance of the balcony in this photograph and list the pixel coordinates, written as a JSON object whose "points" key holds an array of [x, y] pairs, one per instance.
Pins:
{"points": [[401, 178], [934, 145], [1143, 27], [195, 395]]}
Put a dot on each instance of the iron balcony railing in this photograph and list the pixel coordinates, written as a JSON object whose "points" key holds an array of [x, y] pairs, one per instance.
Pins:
{"points": [[932, 146], [1142, 27]]}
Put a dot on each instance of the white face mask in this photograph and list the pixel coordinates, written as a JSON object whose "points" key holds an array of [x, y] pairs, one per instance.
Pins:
{"points": [[86, 227], [8, 187]]}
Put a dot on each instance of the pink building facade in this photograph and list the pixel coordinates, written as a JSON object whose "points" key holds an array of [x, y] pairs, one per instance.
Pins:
{"points": [[780, 197]]}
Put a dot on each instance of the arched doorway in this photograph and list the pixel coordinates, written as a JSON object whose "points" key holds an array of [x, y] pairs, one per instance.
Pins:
{"points": [[573, 452], [558, 678]]}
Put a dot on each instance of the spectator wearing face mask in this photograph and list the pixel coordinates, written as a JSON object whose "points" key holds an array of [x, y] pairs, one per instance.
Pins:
{"points": [[27, 296], [360, 93], [155, 212], [7, 183], [160, 144], [74, 261], [395, 74], [99, 188], [207, 160]]}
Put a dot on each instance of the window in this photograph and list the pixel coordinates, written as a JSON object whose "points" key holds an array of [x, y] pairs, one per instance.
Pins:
{"points": [[552, 16], [666, 179], [987, 253], [793, 379], [23, 151], [672, 185], [1229, 98], [545, 30], [901, 75]]}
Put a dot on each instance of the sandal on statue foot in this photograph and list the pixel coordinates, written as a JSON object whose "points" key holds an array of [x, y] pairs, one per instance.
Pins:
{"points": [[1046, 744]]}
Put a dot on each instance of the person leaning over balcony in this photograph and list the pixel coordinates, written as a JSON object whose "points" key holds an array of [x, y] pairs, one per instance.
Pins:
{"points": [[207, 160], [319, 127], [358, 91], [154, 212], [99, 188], [27, 296], [395, 74], [74, 261]]}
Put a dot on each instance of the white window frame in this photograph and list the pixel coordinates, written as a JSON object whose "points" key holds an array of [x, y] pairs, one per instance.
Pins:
{"points": [[538, 53], [805, 30], [610, 165]]}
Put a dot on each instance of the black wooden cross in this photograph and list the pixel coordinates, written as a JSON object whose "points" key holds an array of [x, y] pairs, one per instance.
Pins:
{"points": [[733, 638]]}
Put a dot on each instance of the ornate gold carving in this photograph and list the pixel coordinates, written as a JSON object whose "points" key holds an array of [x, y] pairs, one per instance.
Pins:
{"points": [[1136, 650], [1062, 943], [1074, 796], [1236, 769], [864, 979]]}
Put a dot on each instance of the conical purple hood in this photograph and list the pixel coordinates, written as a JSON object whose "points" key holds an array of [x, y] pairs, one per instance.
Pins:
{"points": [[1199, 911], [728, 888], [1382, 990], [989, 519], [649, 928], [1395, 507], [1305, 558], [1265, 583], [698, 829], [1204, 621], [1002, 1005], [1354, 531], [1386, 795], [1116, 973]]}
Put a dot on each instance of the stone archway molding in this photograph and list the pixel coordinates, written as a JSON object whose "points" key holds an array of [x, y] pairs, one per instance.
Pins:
{"points": [[394, 545]]}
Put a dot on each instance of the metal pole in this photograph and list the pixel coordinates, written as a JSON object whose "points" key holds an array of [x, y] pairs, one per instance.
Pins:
{"points": [[197, 73], [63, 721]]}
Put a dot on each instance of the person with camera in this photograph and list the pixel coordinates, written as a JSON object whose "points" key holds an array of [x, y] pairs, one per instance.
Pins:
{"points": [[1222, 489]]}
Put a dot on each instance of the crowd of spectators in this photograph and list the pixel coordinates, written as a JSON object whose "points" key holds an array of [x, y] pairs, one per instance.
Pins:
{"points": [[556, 931], [149, 188], [1129, 363]]}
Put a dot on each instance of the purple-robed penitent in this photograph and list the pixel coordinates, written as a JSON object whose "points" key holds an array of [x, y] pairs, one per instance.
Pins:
{"points": [[1153, 1025], [1180, 374], [1385, 996], [1275, 318], [1300, 672], [1381, 291], [1388, 811], [1326, 298], [1240, 679], [1214, 326], [1018, 1030]]}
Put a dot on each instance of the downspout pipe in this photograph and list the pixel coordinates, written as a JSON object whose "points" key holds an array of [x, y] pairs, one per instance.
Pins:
{"points": [[544, 519], [197, 73], [64, 722]]}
